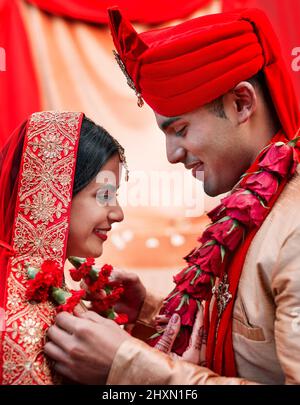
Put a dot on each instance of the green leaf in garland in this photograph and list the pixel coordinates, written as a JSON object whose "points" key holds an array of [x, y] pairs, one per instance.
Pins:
{"points": [[172, 296], [111, 315], [32, 272], [198, 272], [189, 269], [156, 335], [223, 252], [76, 261], [59, 295], [94, 273], [235, 224], [262, 203], [209, 243], [184, 300]]}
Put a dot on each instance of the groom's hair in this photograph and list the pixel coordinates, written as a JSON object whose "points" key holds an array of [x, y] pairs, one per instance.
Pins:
{"points": [[96, 147]]}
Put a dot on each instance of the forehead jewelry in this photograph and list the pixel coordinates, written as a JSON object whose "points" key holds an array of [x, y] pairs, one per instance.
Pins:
{"points": [[130, 82], [122, 158]]}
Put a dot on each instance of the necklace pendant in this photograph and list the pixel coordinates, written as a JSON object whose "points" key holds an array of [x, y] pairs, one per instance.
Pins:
{"points": [[222, 294]]}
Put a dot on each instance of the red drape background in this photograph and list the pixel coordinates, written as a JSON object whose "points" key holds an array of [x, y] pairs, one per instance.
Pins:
{"points": [[19, 94], [148, 12]]}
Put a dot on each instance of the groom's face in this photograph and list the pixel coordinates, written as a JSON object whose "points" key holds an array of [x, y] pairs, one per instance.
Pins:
{"points": [[205, 142]]}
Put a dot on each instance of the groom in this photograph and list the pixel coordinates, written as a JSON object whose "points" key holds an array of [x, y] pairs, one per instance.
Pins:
{"points": [[220, 93]]}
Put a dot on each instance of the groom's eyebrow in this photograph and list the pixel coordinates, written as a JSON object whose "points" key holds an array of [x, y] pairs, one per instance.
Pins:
{"points": [[165, 124]]}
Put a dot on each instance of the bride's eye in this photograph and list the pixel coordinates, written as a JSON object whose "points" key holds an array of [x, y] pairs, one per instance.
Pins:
{"points": [[105, 195]]}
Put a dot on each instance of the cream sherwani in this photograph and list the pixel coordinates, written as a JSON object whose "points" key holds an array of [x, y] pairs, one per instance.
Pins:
{"points": [[266, 318]]}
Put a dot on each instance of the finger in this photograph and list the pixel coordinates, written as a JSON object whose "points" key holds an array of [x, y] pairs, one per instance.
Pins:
{"points": [[64, 370], [197, 332], [165, 343], [79, 309], [161, 319], [92, 316], [55, 352], [174, 356], [123, 277], [66, 321], [59, 337], [193, 352]]}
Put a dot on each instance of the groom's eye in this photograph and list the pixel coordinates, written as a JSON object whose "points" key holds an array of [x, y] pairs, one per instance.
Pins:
{"points": [[180, 131]]}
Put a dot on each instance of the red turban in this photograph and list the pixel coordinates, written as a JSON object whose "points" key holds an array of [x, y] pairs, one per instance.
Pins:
{"points": [[178, 69]]}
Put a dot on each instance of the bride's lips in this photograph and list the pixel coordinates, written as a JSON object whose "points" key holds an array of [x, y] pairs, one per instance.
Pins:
{"points": [[199, 167], [101, 234]]}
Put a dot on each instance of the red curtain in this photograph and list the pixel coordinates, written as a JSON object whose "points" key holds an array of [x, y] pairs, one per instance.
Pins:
{"points": [[285, 17], [147, 11], [19, 94]]}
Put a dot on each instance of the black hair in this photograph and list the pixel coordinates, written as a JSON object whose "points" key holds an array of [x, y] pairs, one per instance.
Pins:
{"points": [[258, 81], [96, 147]]}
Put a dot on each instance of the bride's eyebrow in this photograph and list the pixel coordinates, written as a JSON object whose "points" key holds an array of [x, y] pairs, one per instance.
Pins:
{"points": [[109, 186]]}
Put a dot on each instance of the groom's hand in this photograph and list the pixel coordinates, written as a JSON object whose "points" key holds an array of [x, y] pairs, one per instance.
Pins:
{"points": [[131, 300], [84, 346]]}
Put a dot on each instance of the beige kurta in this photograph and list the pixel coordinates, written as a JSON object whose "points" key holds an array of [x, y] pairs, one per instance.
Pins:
{"points": [[266, 317]]}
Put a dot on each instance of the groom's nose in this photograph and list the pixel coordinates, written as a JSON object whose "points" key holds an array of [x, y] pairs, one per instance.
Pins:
{"points": [[175, 152]]}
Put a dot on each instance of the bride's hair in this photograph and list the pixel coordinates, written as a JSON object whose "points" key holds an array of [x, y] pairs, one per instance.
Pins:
{"points": [[96, 147]]}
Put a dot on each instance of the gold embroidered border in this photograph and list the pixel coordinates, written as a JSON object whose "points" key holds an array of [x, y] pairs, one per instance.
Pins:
{"points": [[40, 232]]}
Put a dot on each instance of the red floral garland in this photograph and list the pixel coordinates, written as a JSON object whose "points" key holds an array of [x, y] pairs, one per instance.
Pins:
{"points": [[46, 284], [244, 209]]}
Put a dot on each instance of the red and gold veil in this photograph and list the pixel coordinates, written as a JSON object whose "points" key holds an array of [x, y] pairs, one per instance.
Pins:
{"points": [[37, 168]]}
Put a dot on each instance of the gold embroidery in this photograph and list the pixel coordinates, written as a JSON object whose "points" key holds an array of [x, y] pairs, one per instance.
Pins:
{"points": [[40, 232], [43, 207], [31, 331]]}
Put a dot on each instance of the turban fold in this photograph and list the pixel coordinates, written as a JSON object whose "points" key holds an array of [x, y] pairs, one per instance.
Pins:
{"points": [[180, 68]]}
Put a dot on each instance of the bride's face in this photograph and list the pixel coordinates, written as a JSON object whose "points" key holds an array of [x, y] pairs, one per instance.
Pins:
{"points": [[94, 209]]}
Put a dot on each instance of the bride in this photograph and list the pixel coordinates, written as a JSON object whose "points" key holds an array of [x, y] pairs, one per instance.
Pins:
{"points": [[53, 204]]}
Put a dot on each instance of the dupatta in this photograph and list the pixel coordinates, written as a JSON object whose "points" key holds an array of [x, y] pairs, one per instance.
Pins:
{"points": [[37, 168]]}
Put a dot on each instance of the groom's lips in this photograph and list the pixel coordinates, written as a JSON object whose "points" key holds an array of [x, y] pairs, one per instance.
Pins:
{"points": [[197, 168]]}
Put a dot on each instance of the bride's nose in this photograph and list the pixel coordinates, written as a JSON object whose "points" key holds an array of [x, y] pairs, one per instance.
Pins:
{"points": [[116, 214]]}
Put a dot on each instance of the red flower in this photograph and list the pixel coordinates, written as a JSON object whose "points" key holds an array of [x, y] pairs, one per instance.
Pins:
{"points": [[75, 274], [39, 288], [83, 270], [106, 270], [121, 319], [101, 307], [244, 207], [228, 233], [71, 301], [217, 213], [195, 283], [207, 257], [264, 184], [183, 305], [279, 158]]}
